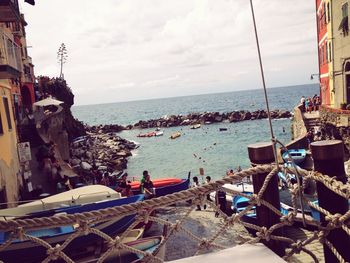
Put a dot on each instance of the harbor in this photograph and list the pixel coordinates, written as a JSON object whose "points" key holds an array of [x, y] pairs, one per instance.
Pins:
{"points": [[149, 171]]}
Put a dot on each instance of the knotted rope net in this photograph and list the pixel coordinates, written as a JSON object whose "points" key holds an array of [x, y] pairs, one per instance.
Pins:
{"points": [[89, 223]]}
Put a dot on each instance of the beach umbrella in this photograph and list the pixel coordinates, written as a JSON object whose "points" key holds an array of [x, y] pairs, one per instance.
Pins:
{"points": [[48, 102]]}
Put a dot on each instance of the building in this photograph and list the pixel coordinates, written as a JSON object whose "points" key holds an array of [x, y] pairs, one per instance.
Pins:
{"points": [[341, 50], [11, 77], [324, 42]]}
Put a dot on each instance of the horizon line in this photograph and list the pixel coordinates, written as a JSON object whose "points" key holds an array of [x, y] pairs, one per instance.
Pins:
{"points": [[201, 94]]}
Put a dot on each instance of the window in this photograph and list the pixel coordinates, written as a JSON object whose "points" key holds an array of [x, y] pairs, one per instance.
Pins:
{"points": [[344, 10], [7, 110], [329, 51], [1, 129], [328, 12], [326, 53]]}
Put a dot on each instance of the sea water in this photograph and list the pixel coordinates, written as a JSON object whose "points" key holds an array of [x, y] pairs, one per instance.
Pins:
{"points": [[215, 151]]}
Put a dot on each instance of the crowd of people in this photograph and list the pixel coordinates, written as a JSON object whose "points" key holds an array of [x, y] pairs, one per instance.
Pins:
{"points": [[310, 104]]}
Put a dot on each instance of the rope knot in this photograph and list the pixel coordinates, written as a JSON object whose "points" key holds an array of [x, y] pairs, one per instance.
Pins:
{"points": [[115, 243], [255, 199], [232, 219], [289, 218], [143, 215], [84, 227], [263, 234], [297, 247], [54, 252], [204, 244], [294, 189], [335, 221]]}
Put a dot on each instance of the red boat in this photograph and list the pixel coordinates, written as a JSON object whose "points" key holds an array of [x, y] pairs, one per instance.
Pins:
{"points": [[164, 186]]}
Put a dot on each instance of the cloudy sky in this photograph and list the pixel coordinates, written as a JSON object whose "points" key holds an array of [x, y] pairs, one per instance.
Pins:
{"points": [[123, 50]]}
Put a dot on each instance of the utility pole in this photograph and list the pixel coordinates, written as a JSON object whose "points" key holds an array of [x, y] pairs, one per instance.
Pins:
{"points": [[62, 55]]}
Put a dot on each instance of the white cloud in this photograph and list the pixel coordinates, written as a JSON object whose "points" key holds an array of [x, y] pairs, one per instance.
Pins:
{"points": [[137, 49]]}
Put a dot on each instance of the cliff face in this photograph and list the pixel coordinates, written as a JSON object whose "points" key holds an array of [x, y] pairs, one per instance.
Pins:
{"points": [[59, 89]]}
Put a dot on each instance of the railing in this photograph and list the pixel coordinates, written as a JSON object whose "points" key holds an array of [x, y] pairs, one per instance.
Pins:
{"points": [[10, 52]]}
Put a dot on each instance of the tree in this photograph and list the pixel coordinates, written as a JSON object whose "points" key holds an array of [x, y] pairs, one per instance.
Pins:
{"points": [[62, 55]]}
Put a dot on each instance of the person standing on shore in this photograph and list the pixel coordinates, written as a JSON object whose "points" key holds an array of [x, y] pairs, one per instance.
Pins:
{"points": [[302, 102], [207, 181], [196, 184]]}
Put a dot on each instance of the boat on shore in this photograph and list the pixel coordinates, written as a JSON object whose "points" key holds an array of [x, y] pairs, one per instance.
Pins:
{"points": [[298, 155], [78, 196], [148, 134], [175, 135], [159, 133], [164, 186]]}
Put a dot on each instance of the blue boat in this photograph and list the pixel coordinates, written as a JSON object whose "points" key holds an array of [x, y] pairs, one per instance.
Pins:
{"points": [[298, 155], [19, 250]]}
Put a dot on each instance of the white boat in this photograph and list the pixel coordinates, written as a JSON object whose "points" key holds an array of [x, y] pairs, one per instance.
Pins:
{"points": [[238, 187], [78, 196], [195, 126], [159, 133]]}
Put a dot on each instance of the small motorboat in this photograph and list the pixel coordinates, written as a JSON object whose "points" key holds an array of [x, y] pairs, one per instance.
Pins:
{"points": [[298, 155], [159, 133], [223, 129], [175, 135], [148, 134], [195, 126], [208, 122], [164, 186]]}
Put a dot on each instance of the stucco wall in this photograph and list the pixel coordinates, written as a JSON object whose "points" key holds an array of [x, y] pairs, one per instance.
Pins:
{"points": [[341, 45], [298, 126], [9, 163]]}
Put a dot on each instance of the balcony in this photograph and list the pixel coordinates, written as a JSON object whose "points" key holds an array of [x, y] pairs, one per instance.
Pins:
{"points": [[10, 57], [9, 11]]}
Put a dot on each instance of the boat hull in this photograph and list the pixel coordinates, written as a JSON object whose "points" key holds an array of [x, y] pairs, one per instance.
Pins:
{"points": [[18, 251]]}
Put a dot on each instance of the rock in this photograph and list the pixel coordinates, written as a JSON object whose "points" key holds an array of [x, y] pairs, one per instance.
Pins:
{"points": [[85, 166]]}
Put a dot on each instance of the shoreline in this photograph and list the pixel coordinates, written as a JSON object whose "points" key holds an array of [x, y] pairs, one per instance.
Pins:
{"points": [[191, 119]]}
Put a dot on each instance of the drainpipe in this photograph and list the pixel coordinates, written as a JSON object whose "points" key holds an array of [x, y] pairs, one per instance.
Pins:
{"points": [[318, 51], [333, 57]]}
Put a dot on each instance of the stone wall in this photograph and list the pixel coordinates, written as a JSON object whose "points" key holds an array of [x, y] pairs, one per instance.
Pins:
{"points": [[298, 126], [335, 125]]}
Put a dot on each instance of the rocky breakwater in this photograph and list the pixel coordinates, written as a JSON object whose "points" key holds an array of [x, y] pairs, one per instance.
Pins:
{"points": [[98, 151], [208, 118]]}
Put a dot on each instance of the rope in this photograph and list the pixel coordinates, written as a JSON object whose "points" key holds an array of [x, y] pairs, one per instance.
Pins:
{"points": [[89, 222]]}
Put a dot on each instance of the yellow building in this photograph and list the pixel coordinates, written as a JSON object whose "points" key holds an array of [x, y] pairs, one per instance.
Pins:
{"points": [[10, 72]]}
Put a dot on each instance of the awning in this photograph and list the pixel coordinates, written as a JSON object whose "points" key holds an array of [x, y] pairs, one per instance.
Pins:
{"points": [[48, 102], [344, 24]]}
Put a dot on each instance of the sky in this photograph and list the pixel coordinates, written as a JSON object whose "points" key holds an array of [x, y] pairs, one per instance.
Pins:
{"points": [[121, 50]]}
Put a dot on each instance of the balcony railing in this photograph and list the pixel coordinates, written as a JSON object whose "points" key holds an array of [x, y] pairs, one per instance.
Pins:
{"points": [[10, 57], [9, 11]]}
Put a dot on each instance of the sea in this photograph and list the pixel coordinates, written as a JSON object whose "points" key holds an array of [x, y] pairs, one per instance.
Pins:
{"points": [[208, 148]]}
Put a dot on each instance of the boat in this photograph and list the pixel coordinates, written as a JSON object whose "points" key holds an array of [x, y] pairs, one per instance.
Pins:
{"points": [[148, 134], [222, 129], [286, 177], [208, 122], [18, 250], [164, 186], [298, 155], [195, 126], [238, 187], [175, 135], [78, 196], [159, 133]]}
